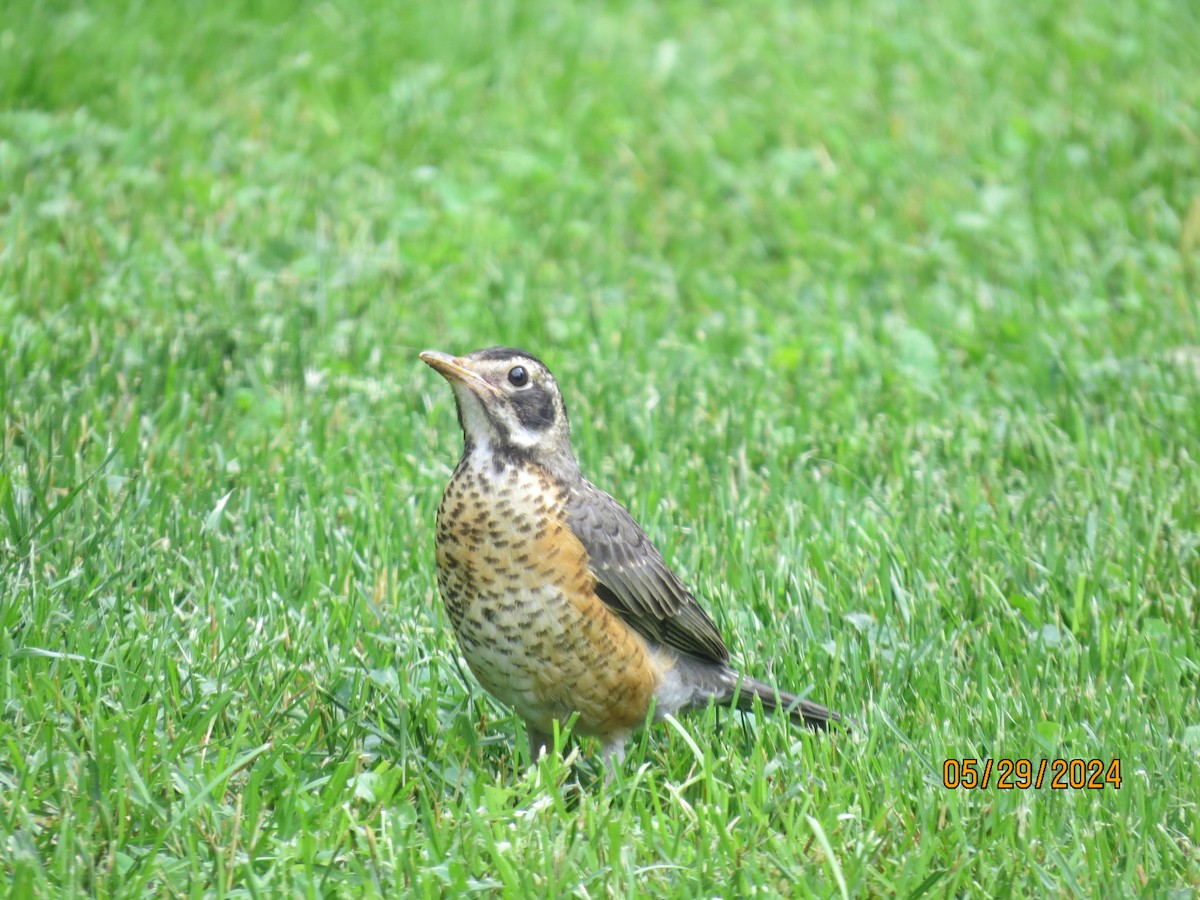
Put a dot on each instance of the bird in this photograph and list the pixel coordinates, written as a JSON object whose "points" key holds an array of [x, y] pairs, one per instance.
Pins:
{"points": [[560, 603]]}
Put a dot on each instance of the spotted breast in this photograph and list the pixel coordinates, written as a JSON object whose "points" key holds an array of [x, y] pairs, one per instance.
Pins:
{"points": [[520, 594]]}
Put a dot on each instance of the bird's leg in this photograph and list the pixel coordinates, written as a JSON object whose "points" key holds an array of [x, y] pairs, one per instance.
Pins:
{"points": [[539, 740], [614, 755]]}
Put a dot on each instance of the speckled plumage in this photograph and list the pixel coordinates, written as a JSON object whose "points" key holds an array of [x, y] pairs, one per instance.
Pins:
{"points": [[521, 597], [559, 601]]}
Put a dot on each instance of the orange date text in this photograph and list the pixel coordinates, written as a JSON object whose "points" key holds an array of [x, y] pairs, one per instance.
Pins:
{"points": [[1022, 774]]}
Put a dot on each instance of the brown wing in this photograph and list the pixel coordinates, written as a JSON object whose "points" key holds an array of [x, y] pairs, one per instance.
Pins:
{"points": [[635, 582]]}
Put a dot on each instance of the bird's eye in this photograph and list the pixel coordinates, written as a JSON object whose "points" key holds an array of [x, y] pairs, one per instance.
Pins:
{"points": [[518, 377]]}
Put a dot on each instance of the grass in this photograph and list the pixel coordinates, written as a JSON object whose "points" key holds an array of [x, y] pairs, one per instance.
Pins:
{"points": [[882, 319]]}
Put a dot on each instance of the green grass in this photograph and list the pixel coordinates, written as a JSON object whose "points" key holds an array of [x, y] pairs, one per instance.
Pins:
{"points": [[881, 318]]}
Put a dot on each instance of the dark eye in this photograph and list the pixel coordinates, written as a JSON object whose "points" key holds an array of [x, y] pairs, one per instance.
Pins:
{"points": [[518, 377]]}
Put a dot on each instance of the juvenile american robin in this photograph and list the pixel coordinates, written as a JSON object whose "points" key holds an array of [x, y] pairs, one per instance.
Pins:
{"points": [[560, 602]]}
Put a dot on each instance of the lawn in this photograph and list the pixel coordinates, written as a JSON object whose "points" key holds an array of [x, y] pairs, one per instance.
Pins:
{"points": [[881, 318]]}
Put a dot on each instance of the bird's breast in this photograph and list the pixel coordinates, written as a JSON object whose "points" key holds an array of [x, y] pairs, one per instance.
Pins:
{"points": [[521, 597]]}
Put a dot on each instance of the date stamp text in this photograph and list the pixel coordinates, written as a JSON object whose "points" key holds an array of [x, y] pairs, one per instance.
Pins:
{"points": [[1022, 774]]}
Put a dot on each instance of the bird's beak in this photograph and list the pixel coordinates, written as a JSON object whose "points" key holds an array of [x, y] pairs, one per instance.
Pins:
{"points": [[456, 369]]}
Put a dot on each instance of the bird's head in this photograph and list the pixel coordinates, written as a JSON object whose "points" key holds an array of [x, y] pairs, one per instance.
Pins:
{"points": [[508, 404]]}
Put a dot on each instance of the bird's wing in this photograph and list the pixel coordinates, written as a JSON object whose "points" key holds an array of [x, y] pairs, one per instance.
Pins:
{"points": [[635, 582]]}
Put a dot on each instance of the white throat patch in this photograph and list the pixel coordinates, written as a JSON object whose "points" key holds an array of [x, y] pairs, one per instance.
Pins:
{"points": [[480, 427]]}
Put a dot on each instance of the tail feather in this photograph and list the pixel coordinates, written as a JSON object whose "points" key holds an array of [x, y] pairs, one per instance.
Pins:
{"points": [[695, 683], [802, 712]]}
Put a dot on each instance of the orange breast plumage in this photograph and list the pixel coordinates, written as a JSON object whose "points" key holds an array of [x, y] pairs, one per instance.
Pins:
{"points": [[521, 598]]}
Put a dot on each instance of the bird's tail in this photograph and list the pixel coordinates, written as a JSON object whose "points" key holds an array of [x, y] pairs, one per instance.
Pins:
{"points": [[802, 712]]}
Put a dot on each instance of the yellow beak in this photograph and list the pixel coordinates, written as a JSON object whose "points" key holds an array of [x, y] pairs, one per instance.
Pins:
{"points": [[457, 369]]}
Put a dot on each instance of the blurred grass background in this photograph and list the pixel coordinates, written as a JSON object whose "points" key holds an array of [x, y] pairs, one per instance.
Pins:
{"points": [[880, 317]]}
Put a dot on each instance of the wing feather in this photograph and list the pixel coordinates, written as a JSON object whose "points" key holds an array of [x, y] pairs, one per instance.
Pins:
{"points": [[635, 582]]}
